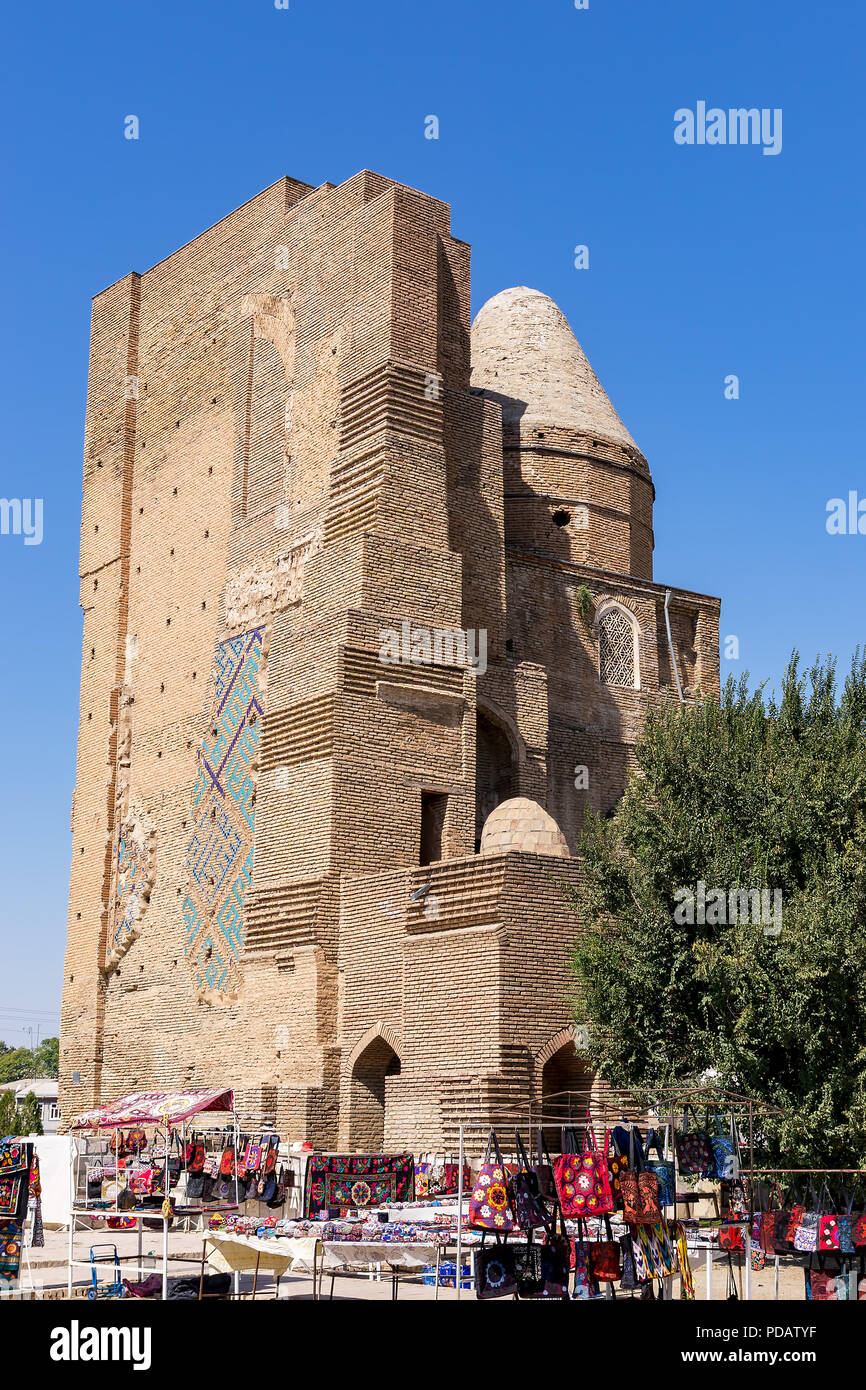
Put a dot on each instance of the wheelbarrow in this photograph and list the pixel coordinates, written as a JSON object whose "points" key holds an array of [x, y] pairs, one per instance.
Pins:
{"points": [[102, 1256]]}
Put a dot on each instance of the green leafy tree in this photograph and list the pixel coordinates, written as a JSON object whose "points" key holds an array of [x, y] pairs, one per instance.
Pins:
{"points": [[16, 1063], [46, 1058], [30, 1115], [8, 1113], [739, 794]]}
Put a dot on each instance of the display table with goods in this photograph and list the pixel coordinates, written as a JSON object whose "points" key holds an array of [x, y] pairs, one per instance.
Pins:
{"points": [[361, 1215], [156, 1161], [341, 1245]]}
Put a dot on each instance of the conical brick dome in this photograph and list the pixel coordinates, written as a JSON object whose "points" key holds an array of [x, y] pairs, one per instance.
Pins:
{"points": [[525, 355]]}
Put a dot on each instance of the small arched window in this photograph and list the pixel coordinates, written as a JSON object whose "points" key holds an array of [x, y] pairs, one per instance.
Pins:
{"points": [[617, 647]]}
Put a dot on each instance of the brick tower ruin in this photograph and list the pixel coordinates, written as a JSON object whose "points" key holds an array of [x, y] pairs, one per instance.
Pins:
{"points": [[368, 617]]}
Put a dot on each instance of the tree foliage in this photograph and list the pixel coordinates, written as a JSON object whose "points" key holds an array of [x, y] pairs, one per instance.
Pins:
{"points": [[739, 793], [8, 1114], [30, 1115], [18, 1062]]}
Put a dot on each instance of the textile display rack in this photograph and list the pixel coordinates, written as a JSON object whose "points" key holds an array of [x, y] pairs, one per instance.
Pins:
{"points": [[571, 1111], [20, 1213], [148, 1114], [856, 1173]]}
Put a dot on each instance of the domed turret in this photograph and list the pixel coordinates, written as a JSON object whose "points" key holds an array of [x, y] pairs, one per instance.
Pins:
{"points": [[525, 355], [577, 487], [522, 824]]}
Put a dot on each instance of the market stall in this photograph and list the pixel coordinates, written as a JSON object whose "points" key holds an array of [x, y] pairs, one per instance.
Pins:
{"points": [[617, 1201], [143, 1163]]}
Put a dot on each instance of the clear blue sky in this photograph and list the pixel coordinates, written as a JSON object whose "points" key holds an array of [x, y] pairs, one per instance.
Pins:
{"points": [[556, 129]]}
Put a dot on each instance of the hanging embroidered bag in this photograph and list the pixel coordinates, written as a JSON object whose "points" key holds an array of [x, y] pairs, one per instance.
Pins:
{"points": [[490, 1202], [845, 1223], [798, 1211], [694, 1150], [495, 1272], [544, 1167], [529, 1210], [555, 1254], [766, 1229], [136, 1141], [582, 1181], [628, 1279], [731, 1236], [662, 1167], [725, 1146], [640, 1187], [605, 1257], [585, 1286], [821, 1282], [806, 1234]]}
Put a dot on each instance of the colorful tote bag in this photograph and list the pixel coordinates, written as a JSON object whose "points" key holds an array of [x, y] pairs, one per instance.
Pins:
{"points": [[845, 1228], [14, 1191], [544, 1167], [640, 1198], [617, 1164], [582, 1181], [828, 1232], [640, 1187], [806, 1234], [765, 1226], [530, 1276], [543, 1270], [439, 1177], [490, 1202], [648, 1190], [694, 1150], [725, 1146], [495, 1274], [554, 1267], [628, 1278], [731, 1236], [585, 1286], [798, 1211], [605, 1257], [530, 1211], [662, 1167], [10, 1250], [641, 1268], [624, 1138], [658, 1250]]}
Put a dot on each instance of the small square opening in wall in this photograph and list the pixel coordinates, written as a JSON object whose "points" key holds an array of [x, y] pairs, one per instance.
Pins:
{"points": [[433, 808], [76, 1078]]}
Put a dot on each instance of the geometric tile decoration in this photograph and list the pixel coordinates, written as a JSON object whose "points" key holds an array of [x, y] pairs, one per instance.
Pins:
{"points": [[219, 857]]}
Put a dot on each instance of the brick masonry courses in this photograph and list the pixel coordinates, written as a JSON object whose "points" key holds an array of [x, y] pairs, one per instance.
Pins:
{"points": [[284, 458]]}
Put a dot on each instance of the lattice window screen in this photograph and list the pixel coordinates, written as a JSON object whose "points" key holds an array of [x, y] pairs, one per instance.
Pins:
{"points": [[616, 649]]}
